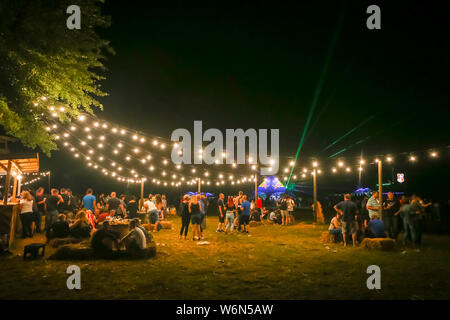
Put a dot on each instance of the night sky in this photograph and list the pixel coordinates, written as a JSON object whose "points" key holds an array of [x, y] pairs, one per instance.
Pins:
{"points": [[256, 65]]}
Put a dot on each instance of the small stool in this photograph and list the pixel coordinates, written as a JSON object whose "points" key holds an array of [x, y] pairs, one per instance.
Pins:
{"points": [[33, 251]]}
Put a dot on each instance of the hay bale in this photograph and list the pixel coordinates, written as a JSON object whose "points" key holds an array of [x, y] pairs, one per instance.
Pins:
{"points": [[59, 242], [82, 253], [378, 243], [166, 225], [70, 253], [327, 237], [267, 221], [255, 223]]}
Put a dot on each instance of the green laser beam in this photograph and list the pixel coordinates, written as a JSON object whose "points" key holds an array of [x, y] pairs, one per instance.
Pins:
{"points": [[348, 133], [365, 139], [319, 87]]}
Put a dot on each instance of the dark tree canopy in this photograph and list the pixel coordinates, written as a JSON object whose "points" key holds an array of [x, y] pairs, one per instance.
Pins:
{"points": [[45, 66]]}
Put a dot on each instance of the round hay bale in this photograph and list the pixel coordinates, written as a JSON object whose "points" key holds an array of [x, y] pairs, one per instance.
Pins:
{"points": [[378, 243], [255, 223]]}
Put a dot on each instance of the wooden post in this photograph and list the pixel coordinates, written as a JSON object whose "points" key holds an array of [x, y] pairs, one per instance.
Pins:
{"points": [[199, 181], [380, 187], [256, 187], [7, 183], [141, 202], [315, 193], [20, 186], [13, 199], [49, 184]]}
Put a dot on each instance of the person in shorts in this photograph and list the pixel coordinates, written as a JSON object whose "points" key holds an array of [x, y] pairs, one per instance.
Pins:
{"points": [[348, 210]]}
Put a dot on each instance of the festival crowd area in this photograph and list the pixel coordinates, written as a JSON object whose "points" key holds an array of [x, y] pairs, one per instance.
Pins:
{"points": [[95, 217]]}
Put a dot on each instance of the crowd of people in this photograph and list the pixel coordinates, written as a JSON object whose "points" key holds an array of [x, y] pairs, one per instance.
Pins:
{"points": [[405, 214], [69, 216], [89, 217]]}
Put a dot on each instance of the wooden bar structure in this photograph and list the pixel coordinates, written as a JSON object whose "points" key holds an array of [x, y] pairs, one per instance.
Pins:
{"points": [[14, 165]]}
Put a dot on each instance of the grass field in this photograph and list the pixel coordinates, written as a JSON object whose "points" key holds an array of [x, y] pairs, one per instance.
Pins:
{"points": [[273, 262]]}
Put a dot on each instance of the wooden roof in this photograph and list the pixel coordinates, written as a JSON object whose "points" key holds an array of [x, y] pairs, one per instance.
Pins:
{"points": [[26, 163]]}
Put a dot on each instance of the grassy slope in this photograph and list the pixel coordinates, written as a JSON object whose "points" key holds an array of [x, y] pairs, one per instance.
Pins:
{"points": [[274, 262]]}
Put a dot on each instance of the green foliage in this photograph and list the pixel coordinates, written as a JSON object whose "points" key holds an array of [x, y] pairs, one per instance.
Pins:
{"points": [[41, 57]]}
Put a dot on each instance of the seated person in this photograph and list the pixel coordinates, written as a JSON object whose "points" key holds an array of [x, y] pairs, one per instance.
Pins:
{"points": [[90, 216], [59, 229], [264, 214], [81, 227], [335, 228], [375, 228], [135, 240], [104, 240], [103, 216], [255, 215], [148, 236], [275, 216]]}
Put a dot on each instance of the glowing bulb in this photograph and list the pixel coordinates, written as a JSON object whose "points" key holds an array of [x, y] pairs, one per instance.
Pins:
{"points": [[340, 164], [362, 161], [412, 158], [388, 159], [347, 169], [291, 163], [315, 164], [434, 154], [333, 170]]}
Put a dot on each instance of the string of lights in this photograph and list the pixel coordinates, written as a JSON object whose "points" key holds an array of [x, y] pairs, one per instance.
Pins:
{"points": [[132, 143]]}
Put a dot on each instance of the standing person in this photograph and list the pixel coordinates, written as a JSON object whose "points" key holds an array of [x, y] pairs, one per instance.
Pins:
{"points": [[202, 202], [26, 214], [408, 217], [185, 217], [123, 205], [62, 207], [259, 205], [132, 208], [52, 203], [89, 200], [290, 209], [164, 204], [390, 207], [114, 204], [348, 210], [245, 216], [221, 212], [418, 208], [40, 201], [237, 203], [196, 218], [152, 211], [284, 210], [364, 212], [230, 215], [71, 202], [373, 205]]}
